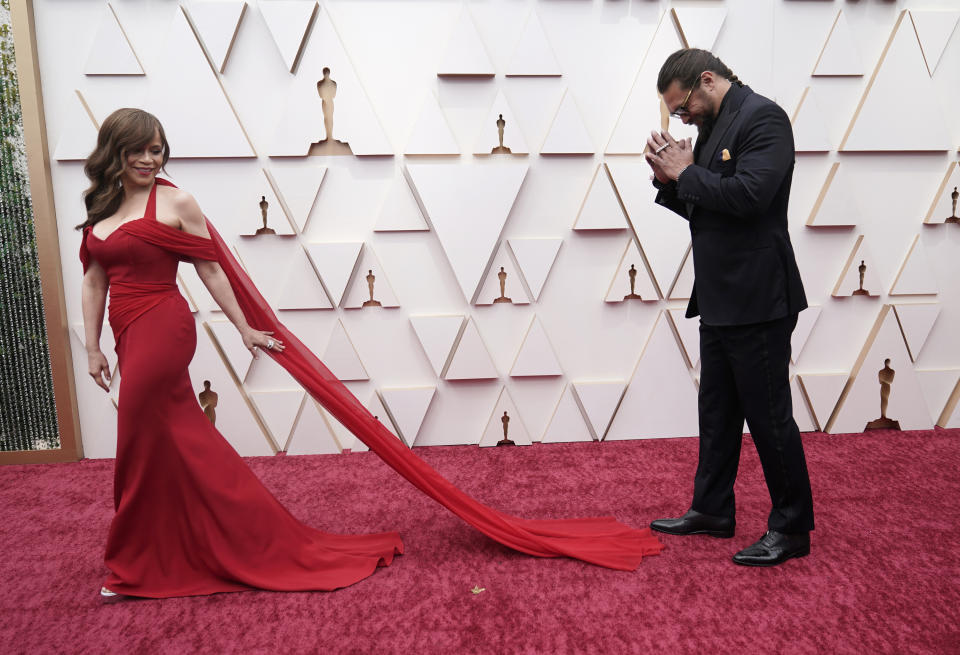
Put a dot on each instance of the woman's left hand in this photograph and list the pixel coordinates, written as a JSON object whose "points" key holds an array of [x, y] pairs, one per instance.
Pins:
{"points": [[256, 339]]}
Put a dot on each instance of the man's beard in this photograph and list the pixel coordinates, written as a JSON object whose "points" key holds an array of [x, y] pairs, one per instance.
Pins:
{"points": [[705, 127]]}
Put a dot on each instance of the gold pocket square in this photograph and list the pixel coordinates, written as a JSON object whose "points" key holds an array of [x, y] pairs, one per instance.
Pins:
{"points": [[725, 155]]}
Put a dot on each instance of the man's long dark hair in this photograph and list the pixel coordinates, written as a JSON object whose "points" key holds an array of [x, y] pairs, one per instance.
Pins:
{"points": [[686, 65]]}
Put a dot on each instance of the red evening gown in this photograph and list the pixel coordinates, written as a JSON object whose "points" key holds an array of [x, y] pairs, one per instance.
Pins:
{"points": [[191, 518]]}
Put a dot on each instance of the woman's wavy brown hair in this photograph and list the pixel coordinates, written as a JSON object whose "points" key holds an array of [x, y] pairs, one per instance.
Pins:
{"points": [[123, 131]]}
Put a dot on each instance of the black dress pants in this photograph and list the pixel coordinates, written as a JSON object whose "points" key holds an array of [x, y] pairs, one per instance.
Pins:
{"points": [[744, 373]]}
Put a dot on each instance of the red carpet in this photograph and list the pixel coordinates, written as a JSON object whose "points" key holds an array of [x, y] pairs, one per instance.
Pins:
{"points": [[883, 576]]}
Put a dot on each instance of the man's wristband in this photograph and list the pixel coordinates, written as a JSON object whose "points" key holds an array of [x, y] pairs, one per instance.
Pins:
{"points": [[681, 172]]}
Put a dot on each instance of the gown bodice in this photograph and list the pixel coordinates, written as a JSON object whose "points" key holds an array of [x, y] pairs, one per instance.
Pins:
{"points": [[140, 275], [129, 259]]}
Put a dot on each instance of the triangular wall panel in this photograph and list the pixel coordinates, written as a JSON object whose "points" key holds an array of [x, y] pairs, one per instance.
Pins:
{"points": [[217, 24], [187, 98], [488, 137], [431, 133], [849, 282], [699, 26], [568, 134], [341, 356], [601, 208], [111, 53], [533, 55], [505, 417], [535, 258], [886, 119], [358, 291], [298, 187], [465, 53], [861, 401], [801, 333], [644, 109], [400, 211], [259, 198], [268, 259], [661, 399], [407, 407], [312, 434], [279, 411], [375, 406], [97, 409], [916, 276], [809, 127], [301, 288], [437, 335], [633, 266], [536, 356], [837, 204], [950, 417], [299, 123], [683, 282], [801, 411], [840, 55], [916, 321], [467, 206], [663, 236], [567, 424], [335, 261], [598, 401], [471, 360], [688, 329], [225, 335], [289, 23], [197, 290], [938, 386], [823, 391], [235, 419], [945, 205], [933, 29], [78, 134], [512, 285]]}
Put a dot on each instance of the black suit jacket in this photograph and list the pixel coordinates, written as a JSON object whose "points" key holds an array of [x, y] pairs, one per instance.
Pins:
{"points": [[744, 266]]}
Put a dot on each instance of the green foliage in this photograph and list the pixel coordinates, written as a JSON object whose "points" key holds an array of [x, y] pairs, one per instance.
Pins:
{"points": [[27, 412]]}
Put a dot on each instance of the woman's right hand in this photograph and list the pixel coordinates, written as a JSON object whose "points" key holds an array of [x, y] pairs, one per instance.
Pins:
{"points": [[99, 368]]}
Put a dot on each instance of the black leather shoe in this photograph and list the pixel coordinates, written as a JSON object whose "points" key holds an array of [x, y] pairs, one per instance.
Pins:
{"points": [[694, 522], [774, 548]]}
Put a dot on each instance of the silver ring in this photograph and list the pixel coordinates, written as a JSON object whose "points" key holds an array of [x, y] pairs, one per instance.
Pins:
{"points": [[270, 343], [661, 148]]}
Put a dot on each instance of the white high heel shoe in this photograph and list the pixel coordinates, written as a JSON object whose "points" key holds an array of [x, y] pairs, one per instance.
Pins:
{"points": [[109, 595]]}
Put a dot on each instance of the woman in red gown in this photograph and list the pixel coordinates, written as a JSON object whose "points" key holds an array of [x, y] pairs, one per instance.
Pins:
{"points": [[191, 518]]}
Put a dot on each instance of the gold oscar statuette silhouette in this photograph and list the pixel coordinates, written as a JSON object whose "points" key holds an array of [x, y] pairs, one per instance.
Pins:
{"points": [[263, 215], [862, 268], [506, 441], [327, 90], [371, 278], [953, 218], [633, 284], [208, 401], [503, 282], [500, 149], [885, 375]]}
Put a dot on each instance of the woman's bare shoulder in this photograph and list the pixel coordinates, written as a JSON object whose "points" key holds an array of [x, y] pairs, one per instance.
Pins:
{"points": [[175, 197]]}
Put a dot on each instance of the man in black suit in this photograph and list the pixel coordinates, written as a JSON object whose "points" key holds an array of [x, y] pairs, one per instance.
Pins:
{"points": [[733, 188]]}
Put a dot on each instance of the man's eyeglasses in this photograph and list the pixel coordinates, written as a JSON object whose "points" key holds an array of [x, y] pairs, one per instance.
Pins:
{"points": [[682, 110]]}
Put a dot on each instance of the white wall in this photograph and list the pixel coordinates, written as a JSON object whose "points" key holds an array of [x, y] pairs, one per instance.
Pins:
{"points": [[385, 57]]}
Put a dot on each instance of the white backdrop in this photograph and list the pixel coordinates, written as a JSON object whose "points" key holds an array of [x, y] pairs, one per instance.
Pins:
{"points": [[420, 87]]}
